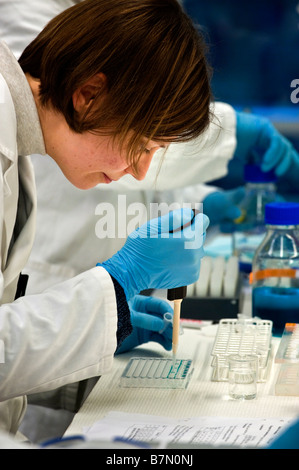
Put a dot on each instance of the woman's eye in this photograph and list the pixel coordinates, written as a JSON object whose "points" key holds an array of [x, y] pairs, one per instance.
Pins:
{"points": [[144, 150]]}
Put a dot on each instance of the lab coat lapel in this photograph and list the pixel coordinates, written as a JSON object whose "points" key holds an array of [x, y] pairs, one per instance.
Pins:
{"points": [[10, 191], [9, 175], [20, 250]]}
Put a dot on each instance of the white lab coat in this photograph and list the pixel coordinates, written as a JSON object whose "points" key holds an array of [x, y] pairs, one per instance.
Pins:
{"points": [[68, 332], [22, 20]]}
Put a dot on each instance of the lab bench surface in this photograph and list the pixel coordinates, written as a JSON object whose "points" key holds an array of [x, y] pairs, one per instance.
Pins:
{"points": [[202, 398]]}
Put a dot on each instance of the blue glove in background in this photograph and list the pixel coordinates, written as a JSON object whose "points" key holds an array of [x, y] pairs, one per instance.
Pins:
{"points": [[289, 439], [148, 324], [154, 258], [259, 142], [222, 206]]}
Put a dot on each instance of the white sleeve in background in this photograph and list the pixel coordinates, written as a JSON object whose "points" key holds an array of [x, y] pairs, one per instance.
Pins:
{"points": [[22, 20], [201, 160], [181, 196], [62, 336]]}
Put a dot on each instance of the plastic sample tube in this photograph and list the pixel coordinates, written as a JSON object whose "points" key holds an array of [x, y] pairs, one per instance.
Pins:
{"points": [[203, 283], [231, 277], [217, 275]]}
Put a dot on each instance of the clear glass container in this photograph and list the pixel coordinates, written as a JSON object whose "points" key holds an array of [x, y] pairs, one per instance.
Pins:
{"points": [[275, 268], [249, 229]]}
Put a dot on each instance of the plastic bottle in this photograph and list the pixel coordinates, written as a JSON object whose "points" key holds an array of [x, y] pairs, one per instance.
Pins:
{"points": [[249, 229], [275, 267]]}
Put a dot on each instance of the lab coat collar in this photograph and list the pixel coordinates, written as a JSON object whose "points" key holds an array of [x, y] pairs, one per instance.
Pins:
{"points": [[29, 133]]}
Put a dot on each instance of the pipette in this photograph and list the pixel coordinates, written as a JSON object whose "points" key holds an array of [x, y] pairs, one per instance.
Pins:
{"points": [[176, 295]]}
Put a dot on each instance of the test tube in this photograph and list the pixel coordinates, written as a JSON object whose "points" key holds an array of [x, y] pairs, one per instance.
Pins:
{"points": [[167, 318]]}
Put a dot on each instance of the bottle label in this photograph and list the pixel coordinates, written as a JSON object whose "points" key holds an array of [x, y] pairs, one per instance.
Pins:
{"points": [[266, 273]]}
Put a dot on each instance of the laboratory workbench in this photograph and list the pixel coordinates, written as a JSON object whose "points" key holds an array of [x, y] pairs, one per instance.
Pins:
{"points": [[202, 398]]}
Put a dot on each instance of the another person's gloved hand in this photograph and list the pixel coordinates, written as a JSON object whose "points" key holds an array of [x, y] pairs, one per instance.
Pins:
{"points": [[256, 136], [222, 206], [152, 257], [148, 324], [288, 439]]}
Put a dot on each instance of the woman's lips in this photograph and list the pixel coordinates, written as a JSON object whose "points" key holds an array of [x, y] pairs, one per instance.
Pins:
{"points": [[107, 179]]}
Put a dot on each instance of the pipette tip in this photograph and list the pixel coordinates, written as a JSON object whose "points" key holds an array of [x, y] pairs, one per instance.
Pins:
{"points": [[173, 356]]}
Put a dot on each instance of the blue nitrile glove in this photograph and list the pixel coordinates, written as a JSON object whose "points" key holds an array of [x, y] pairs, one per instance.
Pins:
{"points": [[147, 318], [259, 142], [288, 439], [222, 206], [154, 258]]}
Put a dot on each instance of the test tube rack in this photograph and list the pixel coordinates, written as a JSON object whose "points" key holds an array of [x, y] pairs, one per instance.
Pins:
{"points": [[287, 356], [241, 336], [288, 350]]}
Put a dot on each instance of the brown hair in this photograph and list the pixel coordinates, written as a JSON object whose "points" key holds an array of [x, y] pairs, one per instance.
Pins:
{"points": [[153, 58]]}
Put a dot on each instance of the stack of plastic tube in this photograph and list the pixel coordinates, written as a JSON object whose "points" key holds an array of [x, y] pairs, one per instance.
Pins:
{"points": [[218, 278]]}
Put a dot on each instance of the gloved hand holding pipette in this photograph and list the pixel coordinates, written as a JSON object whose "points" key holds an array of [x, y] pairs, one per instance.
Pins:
{"points": [[155, 256], [151, 319]]}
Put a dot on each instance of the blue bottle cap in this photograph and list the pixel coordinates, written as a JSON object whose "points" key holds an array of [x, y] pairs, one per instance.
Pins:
{"points": [[254, 174], [282, 213]]}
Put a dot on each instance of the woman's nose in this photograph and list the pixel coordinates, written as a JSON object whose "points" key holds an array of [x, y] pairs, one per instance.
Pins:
{"points": [[140, 170]]}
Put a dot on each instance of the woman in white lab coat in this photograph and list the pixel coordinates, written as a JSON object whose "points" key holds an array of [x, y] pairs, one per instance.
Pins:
{"points": [[71, 331], [62, 250]]}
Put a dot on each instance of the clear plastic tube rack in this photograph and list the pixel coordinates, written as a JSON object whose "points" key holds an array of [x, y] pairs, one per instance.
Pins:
{"points": [[243, 337]]}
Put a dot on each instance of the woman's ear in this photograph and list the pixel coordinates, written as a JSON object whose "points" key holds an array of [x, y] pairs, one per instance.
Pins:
{"points": [[85, 94]]}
